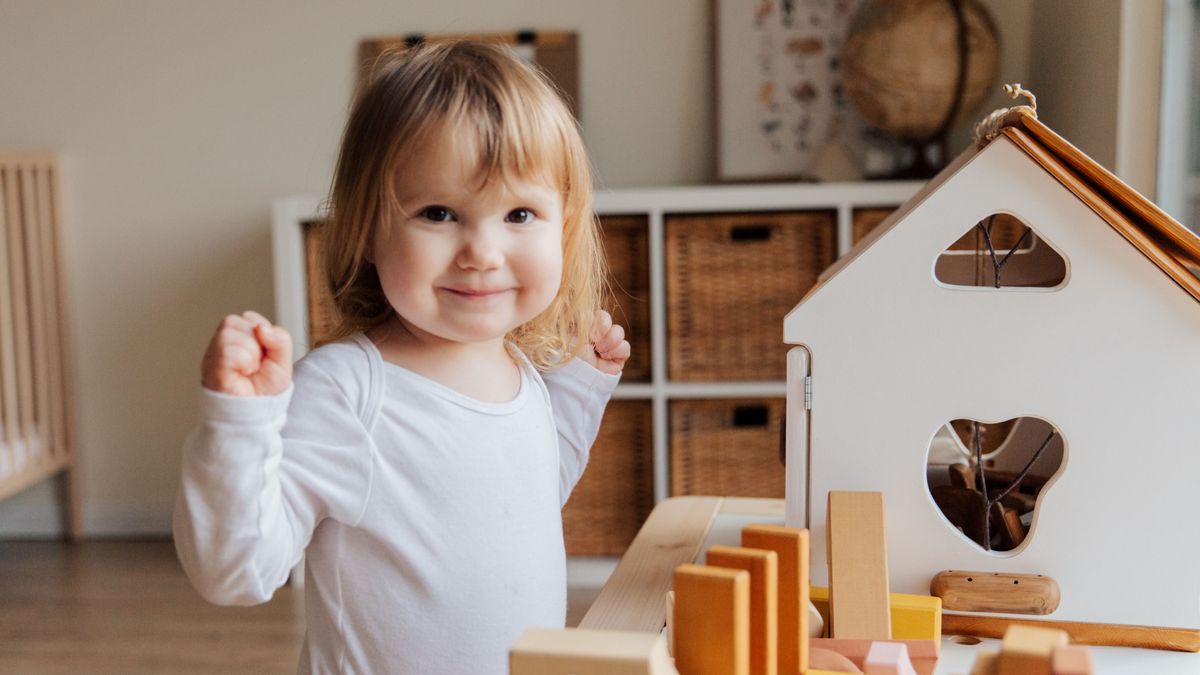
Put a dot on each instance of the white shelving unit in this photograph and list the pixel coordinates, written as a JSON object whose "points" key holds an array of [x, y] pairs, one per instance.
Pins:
{"points": [[656, 204], [289, 215]]}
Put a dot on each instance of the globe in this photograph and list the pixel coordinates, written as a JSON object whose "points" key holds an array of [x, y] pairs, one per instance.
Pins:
{"points": [[902, 65]]}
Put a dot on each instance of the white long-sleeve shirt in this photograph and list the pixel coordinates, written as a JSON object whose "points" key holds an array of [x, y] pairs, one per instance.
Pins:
{"points": [[431, 521]]}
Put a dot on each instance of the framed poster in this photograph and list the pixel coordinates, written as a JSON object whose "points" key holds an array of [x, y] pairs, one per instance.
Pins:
{"points": [[777, 85]]}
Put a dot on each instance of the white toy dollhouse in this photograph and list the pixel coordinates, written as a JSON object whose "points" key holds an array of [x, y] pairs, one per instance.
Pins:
{"points": [[1104, 348]]}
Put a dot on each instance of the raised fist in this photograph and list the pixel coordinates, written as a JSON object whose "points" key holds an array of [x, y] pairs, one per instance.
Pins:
{"points": [[247, 357]]}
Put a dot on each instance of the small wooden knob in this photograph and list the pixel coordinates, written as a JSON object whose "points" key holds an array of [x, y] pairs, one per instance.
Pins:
{"points": [[996, 592]]}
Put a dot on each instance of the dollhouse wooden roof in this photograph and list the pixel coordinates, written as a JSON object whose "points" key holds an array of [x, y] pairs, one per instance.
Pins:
{"points": [[1162, 239]]}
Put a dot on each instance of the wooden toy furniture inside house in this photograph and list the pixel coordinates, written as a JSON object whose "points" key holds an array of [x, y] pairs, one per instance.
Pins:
{"points": [[1011, 359]]}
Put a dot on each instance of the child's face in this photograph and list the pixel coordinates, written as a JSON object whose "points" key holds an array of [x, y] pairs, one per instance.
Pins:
{"points": [[465, 261]]}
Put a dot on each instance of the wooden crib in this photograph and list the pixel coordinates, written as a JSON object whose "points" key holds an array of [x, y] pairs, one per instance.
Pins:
{"points": [[37, 438]]}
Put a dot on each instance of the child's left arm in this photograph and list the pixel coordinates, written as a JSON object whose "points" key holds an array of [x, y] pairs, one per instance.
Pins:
{"points": [[579, 391]]}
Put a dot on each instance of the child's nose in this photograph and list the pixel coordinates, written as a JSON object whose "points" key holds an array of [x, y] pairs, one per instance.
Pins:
{"points": [[481, 249]]}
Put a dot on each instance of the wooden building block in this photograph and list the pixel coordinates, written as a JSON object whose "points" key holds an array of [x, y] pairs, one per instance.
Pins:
{"points": [[858, 580], [888, 658], [826, 660], [916, 617], [1082, 633], [791, 545], [923, 654], [1071, 660], [712, 620], [1027, 650], [1007, 593], [763, 567], [986, 662], [575, 651]]}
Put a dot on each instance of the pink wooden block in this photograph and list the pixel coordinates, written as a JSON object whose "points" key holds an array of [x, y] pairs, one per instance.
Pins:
{"points": [[888, 658]]}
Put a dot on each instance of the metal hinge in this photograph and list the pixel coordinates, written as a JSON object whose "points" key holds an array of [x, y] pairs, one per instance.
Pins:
{"points": [[808, 392]]}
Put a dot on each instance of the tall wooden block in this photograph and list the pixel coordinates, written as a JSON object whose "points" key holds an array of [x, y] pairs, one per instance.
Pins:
{"points": [[1027, 650], [712, 621], [791, 546], [577, 651], [763, 567], [857, 552]]}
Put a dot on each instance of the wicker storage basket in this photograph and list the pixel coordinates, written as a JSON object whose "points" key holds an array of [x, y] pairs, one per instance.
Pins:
{"points": [[616, 493], [731, 278], [627, 244], [866, 220], [727, 447], [320, 297]]}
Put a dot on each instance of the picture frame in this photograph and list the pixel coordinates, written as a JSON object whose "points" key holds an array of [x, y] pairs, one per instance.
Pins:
{"points": [[777, 81]]}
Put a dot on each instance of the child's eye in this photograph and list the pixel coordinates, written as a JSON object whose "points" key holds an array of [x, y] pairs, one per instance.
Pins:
{"points": [[436, 214], [521, 216]]}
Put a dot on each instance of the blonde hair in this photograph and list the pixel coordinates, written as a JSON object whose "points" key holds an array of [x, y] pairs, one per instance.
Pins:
{"points": [[522, 129]]}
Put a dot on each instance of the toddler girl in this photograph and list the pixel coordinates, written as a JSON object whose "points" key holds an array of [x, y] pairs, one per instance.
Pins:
{"points": [[421, 459]]}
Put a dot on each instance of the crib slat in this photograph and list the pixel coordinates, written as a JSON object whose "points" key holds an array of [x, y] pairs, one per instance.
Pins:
{"points": [[31, 216], [56, 436], [68, 432], [20, 303], [8, 358]]}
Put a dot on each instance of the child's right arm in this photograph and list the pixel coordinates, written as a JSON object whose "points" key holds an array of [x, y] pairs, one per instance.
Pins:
{"points": [[263, 466]]}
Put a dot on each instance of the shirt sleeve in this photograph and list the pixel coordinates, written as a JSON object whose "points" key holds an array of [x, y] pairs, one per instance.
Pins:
{"points": [[578, 395], [258, 475]]}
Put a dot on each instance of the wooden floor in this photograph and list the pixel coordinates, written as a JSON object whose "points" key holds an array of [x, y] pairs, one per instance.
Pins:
{"points": [[126, 607]]}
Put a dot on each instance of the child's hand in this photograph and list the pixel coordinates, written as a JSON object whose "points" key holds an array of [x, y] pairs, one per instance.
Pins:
{"points": [[248, 357], [608, 347]]}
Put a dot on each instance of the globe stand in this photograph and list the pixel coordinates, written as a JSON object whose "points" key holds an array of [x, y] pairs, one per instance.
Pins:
{"points": [[921, 160]]}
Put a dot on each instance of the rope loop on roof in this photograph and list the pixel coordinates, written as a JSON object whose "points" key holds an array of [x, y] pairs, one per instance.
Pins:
{"points": [[989, 128]]}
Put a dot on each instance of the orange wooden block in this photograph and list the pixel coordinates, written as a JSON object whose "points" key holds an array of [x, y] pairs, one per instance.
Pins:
{"points": [[985, 662], [791, 545], [858, 581], [1071, 660], [712, 620], [1027, 650], [763, 567]]}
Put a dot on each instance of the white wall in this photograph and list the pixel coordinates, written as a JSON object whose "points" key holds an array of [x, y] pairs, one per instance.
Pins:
{"points": [[181, 121]]}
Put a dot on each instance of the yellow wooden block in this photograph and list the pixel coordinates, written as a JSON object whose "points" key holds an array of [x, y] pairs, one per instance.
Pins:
{"points": [[914, 617], [763, 567], [712, 620]]}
